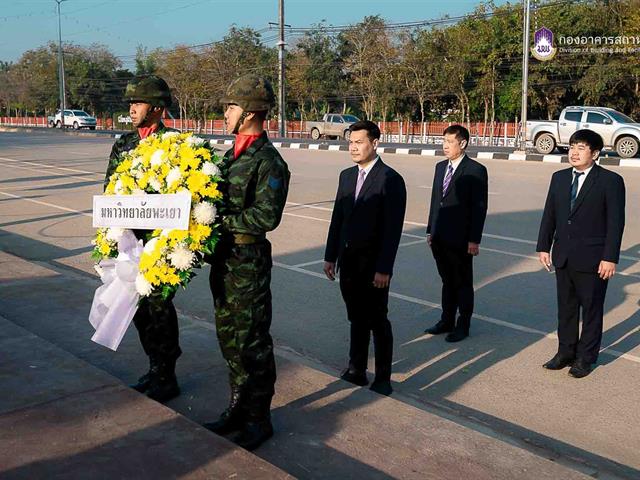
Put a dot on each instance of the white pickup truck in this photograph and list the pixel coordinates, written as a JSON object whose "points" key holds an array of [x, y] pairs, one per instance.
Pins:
{"points": [[617, 131], [332, 125], [73, 118]]}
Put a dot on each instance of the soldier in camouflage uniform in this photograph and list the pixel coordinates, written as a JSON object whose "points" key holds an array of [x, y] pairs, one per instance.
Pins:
{"points": [[156, 319], [255, 193]]}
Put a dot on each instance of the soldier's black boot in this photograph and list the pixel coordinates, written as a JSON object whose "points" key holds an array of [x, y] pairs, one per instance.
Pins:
{"points": [[257, 428], [254, 434], [164, 385], [144, 382], [232, 419]]}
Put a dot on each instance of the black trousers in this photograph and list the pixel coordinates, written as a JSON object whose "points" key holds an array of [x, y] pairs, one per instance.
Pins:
{"points": [[157, 324], [580, 291], [367, 309], [455, 267]]}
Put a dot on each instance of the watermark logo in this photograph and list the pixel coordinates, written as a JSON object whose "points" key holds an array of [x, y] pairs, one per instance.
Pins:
{"points": [[543, 48]]}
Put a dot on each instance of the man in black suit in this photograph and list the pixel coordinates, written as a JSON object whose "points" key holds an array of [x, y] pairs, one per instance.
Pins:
{"points": [[363, 239], [583, 220], [454, 230]]}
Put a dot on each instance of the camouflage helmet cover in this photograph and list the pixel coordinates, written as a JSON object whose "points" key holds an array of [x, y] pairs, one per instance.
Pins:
{"points": [[150, 89], [251, 92]]}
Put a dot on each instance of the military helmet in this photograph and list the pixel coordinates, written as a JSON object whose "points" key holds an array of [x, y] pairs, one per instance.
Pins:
{"points": [[251, 92], [149, 89]]}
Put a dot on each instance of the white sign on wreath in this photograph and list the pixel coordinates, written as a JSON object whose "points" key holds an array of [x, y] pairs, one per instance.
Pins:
{"points": [[148, 212]]}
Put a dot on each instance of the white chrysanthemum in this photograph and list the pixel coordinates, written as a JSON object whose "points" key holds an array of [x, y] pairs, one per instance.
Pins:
{"points": [[136, 162], [157, 158], [150, 245], [181, 257], [155, 184], [143, 287], [137, 191], [114, 234], [204, 213], [138, 173], [119, 189], [183, 191], [169, 135], [174, 175], [194, 141], [211, 169]]}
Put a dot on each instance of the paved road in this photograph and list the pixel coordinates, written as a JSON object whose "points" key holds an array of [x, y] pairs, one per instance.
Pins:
{"points": [[493, 380]]}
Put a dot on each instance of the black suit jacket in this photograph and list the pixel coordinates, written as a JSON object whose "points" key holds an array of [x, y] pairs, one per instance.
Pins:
{"points": [[370, 228], [592, 231], [457, 218]]}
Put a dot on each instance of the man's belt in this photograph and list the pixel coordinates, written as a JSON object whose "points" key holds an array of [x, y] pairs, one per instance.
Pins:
{"points": [[246, 239]]}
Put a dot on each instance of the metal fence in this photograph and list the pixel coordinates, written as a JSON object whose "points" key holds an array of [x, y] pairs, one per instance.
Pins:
{"points": [[482, 134]]}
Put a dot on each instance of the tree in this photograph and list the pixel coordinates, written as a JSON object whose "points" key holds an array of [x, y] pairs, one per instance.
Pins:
{"points": [[146, 63], [363, 49]]}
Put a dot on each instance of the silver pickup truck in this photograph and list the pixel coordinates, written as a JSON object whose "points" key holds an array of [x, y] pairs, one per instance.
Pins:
{"points": [[332, 125], [618, 131]]}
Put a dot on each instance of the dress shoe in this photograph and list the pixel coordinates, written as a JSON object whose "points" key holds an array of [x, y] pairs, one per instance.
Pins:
{"points": [[438, 328], [456, 336], [254, 434], [382, 387], [580, 368], [232, 419], [355, 377], [558, 362]]}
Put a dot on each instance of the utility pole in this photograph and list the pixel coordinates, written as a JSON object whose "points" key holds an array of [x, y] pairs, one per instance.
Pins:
{"points": [[525, 73], [61, 69], [281, 91]]}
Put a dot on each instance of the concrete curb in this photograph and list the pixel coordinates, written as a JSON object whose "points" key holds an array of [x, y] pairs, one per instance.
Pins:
{"points": [[62, 417]]}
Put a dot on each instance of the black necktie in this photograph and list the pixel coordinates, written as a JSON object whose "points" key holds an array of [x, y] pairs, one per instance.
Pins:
{"points": [[574, 188]]}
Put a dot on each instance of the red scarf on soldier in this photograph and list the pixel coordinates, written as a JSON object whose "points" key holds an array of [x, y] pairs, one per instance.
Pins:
{"points": [[144, 132], [243, 142]]}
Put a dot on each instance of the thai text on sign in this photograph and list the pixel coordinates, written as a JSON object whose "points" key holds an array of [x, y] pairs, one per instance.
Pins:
{"points": [[166, 211]]}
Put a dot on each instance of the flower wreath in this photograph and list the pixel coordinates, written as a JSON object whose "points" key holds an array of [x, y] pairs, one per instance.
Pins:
{"points": [[165, 163]]}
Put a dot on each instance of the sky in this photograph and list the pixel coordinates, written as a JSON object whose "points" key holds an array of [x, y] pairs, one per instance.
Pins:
{"points": [[122, 25]]}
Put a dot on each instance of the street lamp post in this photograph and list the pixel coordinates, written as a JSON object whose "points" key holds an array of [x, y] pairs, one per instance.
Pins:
{"points": [[281, 79], [61, 68], [525, 73]]}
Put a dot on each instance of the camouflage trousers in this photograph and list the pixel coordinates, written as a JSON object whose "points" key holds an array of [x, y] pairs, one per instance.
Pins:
{"points": [[157, 324], [240, 282]]}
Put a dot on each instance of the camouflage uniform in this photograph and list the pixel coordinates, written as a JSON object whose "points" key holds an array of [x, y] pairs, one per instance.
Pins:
{"points": [[255, 194], [156, 319]]}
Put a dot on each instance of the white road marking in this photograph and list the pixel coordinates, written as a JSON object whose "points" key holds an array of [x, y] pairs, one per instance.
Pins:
{"points": [[60, 175], [46, 204], [43, 165], [308, 264]]}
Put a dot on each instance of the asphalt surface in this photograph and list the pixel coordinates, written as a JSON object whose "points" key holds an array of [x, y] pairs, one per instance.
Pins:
{"points": [[492, 382]]}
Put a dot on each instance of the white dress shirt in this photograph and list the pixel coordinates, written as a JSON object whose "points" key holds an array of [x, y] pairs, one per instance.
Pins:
{"points": [[581, 178], [455, 163], [368, 168]]}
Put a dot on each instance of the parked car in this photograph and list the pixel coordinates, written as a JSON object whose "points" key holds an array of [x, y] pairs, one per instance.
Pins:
{"points": [[332, 125], [617, 131], [73, 118]]}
